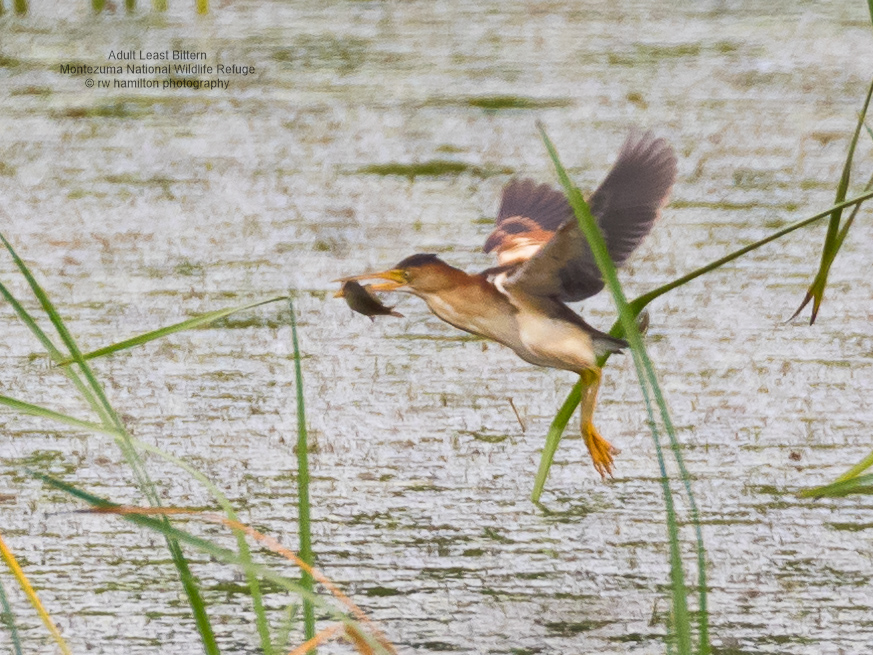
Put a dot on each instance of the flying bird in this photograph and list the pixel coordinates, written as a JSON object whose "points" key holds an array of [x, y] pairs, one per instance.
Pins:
{"points": [[543, 262]]}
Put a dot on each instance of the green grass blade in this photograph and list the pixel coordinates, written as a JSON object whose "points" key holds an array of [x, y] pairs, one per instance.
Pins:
{"points": [[832, 243], [36, 410], [190, 324], [195, 599], [648, 383], [303, 481], [862, 484], [553, 438], [28, 320], [198, 607], [7, 620]]}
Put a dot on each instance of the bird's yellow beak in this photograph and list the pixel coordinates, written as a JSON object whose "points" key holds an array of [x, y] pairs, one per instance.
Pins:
{"points": [[395, 277]]}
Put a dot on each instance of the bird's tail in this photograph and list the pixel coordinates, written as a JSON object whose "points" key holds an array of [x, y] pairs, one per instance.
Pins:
{"points": [[606, 343]]}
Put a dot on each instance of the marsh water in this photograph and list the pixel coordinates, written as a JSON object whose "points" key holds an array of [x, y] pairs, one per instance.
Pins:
{"points": [[142, 207]]}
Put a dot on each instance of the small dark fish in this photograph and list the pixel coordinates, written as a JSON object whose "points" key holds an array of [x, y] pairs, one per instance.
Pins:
{"points": [[359, 299]]}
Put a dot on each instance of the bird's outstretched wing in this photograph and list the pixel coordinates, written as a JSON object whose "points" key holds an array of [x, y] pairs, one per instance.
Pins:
{"points": [[528, 218], [626, 206]]}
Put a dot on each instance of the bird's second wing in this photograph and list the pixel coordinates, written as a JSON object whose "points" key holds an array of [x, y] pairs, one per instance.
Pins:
{"points": [[528, 218], [626, 206]]}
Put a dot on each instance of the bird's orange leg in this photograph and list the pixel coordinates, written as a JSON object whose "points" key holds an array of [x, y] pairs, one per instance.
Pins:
{"points": [[601, 450]]}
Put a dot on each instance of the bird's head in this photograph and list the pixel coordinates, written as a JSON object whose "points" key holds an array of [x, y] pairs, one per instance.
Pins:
{"points": [[419, 274]]}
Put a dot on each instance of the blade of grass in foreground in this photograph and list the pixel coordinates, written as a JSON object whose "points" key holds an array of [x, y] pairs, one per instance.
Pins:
{"points": [[650, 387], [303, 482], [833, 239], [190, 324], [36, 410], [7, 619], [97, 396], [12, 564]]}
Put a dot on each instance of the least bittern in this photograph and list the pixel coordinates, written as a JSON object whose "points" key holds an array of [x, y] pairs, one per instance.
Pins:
{"points": [[544, 261]]}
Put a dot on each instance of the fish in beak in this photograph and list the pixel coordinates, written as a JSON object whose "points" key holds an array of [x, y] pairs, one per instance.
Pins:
{"points": [[359, 299]]}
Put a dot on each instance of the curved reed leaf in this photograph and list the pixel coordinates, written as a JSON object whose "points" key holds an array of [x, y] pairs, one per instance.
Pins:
{"points": [[857, 469], [849, 482], [189, 324], [36, 410], [639, 303], [832, 241], [245, 554], [844, 230], [553, 438], [302, 481]]}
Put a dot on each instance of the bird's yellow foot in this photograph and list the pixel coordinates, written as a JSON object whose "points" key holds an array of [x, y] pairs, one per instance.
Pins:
{"points": [[601, 450]]}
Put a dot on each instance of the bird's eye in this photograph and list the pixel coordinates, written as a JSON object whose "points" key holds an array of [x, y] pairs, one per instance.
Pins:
{"points": [[405, 275]]}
